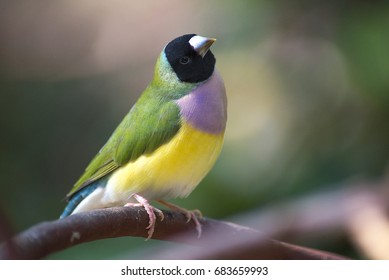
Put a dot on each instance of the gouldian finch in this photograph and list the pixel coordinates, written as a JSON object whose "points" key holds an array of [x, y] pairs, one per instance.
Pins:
{"points": [[167, 142]]}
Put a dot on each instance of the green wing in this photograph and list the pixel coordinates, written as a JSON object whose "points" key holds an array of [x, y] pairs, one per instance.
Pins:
{"points": [[148, 125]]}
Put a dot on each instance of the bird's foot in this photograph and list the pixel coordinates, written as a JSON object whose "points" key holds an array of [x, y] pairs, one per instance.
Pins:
{"points": [[150, 211], [193, 215]]}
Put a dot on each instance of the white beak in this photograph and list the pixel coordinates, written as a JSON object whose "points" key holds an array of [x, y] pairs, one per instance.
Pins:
{"points": [[201, 44]]}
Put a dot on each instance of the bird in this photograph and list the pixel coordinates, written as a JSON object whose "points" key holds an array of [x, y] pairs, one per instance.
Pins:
{"points": [[168, 141]]}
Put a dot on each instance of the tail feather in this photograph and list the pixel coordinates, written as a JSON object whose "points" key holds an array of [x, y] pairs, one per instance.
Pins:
{"points": [[77, 198]]}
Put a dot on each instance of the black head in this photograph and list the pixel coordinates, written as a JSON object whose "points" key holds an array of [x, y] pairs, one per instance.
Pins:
{"points": [[188, 64]]}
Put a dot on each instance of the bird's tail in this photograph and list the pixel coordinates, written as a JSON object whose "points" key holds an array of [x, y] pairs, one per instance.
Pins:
{"points": [[77, 197]]}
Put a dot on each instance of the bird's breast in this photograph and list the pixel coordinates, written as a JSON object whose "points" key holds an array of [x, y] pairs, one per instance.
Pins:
{"points": [[173, 170], [205, 107]]}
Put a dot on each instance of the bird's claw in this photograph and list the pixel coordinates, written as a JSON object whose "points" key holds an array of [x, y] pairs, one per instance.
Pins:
{"points": [[189, 214], [150, 212]]}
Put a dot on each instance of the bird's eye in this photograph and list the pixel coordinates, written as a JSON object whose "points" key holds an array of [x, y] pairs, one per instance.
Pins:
{"points": [[184, 60]]}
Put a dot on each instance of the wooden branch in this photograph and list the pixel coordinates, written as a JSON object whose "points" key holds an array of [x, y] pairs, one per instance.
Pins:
{"points": [[220, 240]]}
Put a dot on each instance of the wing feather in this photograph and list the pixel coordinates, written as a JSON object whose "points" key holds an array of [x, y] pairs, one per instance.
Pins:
{"points": [[146, 127]]}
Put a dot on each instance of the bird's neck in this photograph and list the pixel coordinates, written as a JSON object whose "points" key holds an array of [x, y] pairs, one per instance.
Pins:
{"points": [[166, 81]]}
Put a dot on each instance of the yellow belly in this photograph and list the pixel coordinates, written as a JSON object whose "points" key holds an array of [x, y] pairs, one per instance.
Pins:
{"points": [[173, 170]]}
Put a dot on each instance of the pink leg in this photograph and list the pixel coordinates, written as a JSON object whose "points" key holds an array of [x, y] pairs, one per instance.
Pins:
{"points": [[150, 211], [191, 215]]}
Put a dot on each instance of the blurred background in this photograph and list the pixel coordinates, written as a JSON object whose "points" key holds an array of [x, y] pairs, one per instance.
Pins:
{"points": [[308, 128]]}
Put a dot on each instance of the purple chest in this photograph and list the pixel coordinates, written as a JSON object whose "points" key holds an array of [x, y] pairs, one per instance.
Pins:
{"points": [[205, 108]]}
